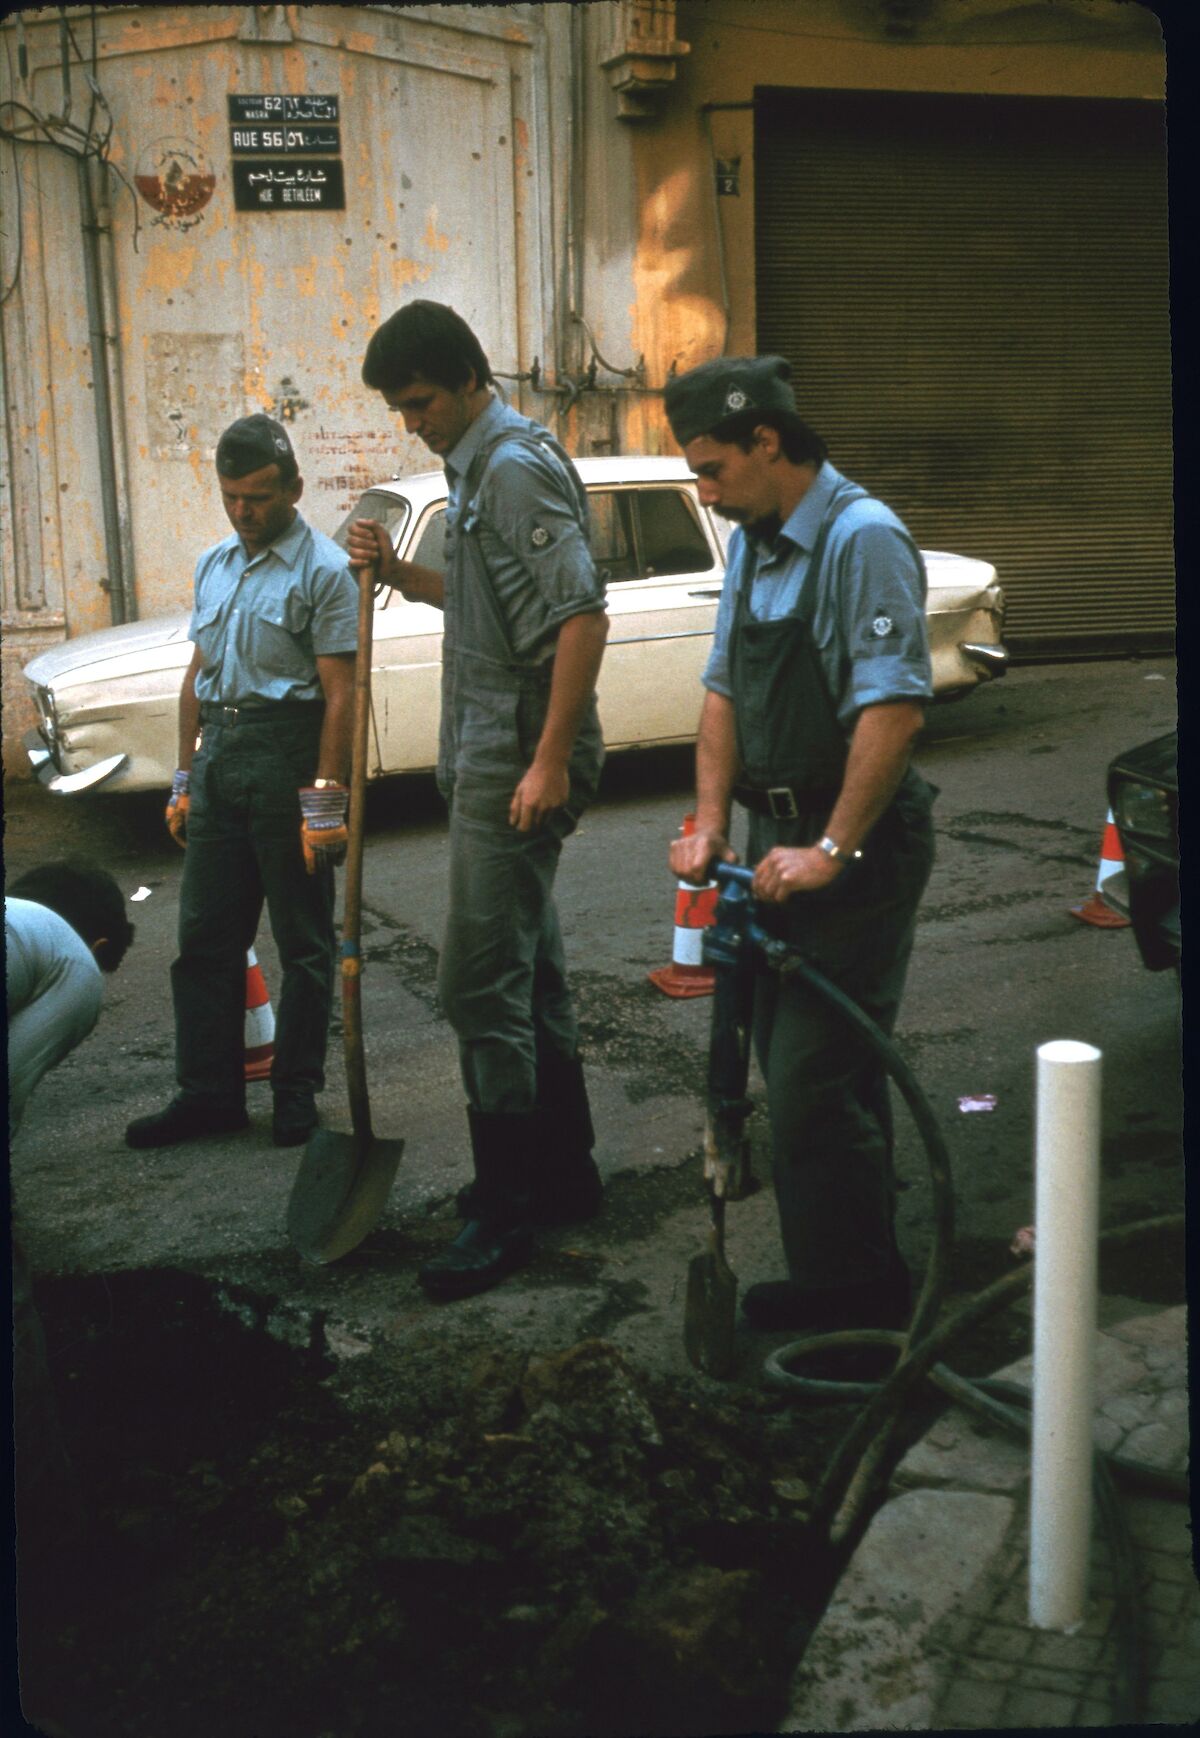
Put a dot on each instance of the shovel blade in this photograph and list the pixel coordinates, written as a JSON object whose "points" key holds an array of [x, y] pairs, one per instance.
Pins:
{"points": [[709, 1311], [340, 1192]]}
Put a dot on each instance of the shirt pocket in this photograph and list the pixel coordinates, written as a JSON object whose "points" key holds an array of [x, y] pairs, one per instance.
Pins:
{"points": [[205, 631], [279, 636]]}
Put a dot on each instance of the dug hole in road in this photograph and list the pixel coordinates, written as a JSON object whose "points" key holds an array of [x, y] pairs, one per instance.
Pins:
{"points": [[304, 1502]]}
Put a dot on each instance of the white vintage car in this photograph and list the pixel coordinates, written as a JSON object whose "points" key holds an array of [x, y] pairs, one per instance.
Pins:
{"points": [[107, 702]]}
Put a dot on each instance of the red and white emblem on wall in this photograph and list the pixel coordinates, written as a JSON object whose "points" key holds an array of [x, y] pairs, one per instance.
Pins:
{"points": [[174, 176]]}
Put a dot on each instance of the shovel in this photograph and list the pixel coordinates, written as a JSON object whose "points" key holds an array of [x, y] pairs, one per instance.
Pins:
{"points": [[711, 1301], [344, 1179]]}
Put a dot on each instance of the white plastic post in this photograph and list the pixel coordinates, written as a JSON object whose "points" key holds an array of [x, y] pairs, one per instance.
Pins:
{"points": [[1064, 1331]]}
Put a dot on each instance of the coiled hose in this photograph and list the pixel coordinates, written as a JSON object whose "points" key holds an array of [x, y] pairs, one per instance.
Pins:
{"points": [[851, 1475]]}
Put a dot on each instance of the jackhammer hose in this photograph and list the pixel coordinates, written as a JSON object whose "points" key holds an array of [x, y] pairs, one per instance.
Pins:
{"points": [[850, 1476]]}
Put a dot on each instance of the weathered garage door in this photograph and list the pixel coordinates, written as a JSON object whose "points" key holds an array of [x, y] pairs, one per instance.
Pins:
{"points": [[973, 294]]}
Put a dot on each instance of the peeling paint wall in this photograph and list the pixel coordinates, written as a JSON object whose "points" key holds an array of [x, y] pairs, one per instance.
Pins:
{"points": [[446, 150]]}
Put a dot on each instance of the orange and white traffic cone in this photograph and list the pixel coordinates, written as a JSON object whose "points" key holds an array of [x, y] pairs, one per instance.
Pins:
{"points": [[695, 910], [1094, 909], [260, 1022]]}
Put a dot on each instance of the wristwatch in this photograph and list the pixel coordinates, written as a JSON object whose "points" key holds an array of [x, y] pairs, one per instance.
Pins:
{"points": [[835, 851]]}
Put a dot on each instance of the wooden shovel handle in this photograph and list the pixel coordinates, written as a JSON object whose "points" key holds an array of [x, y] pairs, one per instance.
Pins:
{"points": [[356, 1069]]}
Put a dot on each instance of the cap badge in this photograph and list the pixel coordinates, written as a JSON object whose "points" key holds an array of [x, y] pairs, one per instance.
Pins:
{"points": [[735, 399]]}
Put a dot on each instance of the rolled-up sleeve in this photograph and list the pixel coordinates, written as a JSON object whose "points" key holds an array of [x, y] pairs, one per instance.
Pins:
{"points": [[527, 503], [879, 583], [334, 610]]}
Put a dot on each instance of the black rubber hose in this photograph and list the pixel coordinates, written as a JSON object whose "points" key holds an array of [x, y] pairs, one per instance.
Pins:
{"points": [[849, 1477]]}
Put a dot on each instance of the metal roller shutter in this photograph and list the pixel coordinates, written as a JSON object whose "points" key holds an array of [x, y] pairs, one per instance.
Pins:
{"points": [[973, 293]]}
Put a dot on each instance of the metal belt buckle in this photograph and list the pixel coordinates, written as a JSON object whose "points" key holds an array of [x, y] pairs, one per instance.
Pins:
{"points": [[783, 803]]}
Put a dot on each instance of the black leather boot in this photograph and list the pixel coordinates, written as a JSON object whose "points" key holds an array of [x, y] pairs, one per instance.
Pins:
{"points": [[497, 1239]]}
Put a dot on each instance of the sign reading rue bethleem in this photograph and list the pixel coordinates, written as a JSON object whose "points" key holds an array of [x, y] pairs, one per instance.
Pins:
{"points": [[279, 134]]}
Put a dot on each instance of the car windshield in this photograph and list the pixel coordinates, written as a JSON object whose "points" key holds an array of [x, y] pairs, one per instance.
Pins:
{"points": [[391, 511]]}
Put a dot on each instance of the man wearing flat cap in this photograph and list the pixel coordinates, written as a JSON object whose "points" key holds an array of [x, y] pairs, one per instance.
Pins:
{"points": [[815, 693], [260, 797]]}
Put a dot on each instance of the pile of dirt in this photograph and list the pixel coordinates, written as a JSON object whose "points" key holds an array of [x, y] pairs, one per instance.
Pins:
{"points": [[517, 1545]]}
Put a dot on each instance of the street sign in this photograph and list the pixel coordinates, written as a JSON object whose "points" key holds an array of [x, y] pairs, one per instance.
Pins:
{"points": [[288, 184]]}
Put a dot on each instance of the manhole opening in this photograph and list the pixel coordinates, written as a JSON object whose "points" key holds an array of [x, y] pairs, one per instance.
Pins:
{"points": [[500, 1547]]}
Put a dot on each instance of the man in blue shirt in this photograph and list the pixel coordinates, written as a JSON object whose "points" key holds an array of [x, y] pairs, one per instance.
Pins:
{"points": [[260, 796], [816, 688], [518, 760]]}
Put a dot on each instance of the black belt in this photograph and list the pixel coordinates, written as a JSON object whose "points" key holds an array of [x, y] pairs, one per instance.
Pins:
{"points": [[785, 802], [261, 712]]}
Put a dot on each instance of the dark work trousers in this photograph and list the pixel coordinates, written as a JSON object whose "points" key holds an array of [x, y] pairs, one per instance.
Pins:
{"points": [[501, 974], [243, 845], [827, 1093]]}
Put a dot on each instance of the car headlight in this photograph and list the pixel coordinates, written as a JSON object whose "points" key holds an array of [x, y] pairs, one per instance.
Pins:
{"points": [[1143, 811]]}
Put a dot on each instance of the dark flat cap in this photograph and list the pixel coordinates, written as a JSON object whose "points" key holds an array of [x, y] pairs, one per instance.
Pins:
{"points": [[702, 398], [252, 442]]}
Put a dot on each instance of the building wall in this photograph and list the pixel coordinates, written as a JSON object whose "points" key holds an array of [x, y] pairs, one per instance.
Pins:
{"points": [[684, 312], [486, 163], [446, 148]]}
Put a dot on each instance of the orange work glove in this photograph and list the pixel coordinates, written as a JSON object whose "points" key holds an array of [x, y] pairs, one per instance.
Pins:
{"points": [[323, 834], [176, 813]]}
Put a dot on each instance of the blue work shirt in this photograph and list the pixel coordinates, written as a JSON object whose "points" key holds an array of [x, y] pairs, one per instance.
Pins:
{"points": [[866, 604], [53, 993], [532, 530], [261, 622]]}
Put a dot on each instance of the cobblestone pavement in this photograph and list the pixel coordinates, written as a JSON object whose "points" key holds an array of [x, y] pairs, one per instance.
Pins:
{"points": [[929, 1627]]}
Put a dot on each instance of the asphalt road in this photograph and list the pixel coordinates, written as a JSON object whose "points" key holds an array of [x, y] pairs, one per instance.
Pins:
{"points": [[999, 967]]}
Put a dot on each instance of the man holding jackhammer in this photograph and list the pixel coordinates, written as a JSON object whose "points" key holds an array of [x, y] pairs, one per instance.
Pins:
{"points": [[816, 687], [260, 797], [519, 758]]}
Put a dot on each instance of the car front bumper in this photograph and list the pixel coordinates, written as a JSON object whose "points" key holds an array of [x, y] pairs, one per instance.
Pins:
{"points": [[64, 784]]}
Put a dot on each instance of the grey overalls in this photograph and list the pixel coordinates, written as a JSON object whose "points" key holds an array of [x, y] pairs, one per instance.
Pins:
{"points": [[501, 975], [827, 1095]]}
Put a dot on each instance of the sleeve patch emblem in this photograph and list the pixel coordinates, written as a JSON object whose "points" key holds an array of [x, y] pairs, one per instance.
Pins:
{"points": [[539, 537], [882, 626]]}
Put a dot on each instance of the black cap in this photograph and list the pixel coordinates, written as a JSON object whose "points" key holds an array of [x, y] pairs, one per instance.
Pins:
{"points": [[252, 442], [696, 402]]}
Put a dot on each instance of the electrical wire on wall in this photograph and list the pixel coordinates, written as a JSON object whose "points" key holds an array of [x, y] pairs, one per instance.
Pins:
{"points": [[58, 132], [22, 122]]}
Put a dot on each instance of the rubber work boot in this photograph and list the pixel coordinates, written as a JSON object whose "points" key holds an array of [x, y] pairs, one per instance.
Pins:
{"points": [[879, 1303], [497, 1239], [186, 1119], [567, 1188]]}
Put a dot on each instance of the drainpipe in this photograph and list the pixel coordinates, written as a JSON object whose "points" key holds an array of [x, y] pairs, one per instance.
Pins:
{"points": [[112, 350], [114, 582]]}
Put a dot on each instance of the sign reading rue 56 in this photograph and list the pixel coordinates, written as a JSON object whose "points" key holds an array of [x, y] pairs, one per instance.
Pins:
{"points": [[253, 141]]}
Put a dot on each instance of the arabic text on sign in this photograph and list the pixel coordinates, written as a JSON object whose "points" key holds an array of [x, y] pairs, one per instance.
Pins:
{"points": [[245, 110], [254, 139], [261, 185]]}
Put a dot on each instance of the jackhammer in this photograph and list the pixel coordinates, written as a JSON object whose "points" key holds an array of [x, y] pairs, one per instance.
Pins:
{"points": [[738, 947]]}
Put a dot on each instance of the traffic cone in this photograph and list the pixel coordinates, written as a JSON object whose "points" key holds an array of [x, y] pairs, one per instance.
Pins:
{"points": [[1094, 909], [260, 1022], [695, 909]]}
